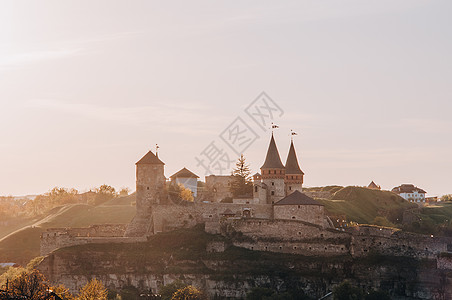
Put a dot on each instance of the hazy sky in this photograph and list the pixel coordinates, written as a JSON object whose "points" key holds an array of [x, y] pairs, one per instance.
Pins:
{"points": [[88, 87]]}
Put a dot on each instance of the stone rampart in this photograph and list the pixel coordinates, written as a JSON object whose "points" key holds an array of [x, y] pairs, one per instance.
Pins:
{"points": [[56, 238], [169, 217], [287, 236], [444, 262], [298, 237]]}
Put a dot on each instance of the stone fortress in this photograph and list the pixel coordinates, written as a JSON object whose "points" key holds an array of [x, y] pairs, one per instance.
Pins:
{"points": [[278, 218]]}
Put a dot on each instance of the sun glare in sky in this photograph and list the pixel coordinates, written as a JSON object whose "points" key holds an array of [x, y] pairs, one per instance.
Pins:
{"points": [[87, 88]]}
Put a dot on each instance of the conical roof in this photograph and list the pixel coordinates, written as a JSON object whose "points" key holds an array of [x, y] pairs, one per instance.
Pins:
{"points": [[150, 159], [292, 166], [272, 161]]}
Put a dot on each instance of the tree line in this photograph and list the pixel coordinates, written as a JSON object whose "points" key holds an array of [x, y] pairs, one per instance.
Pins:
{"points": [[11, 207]]}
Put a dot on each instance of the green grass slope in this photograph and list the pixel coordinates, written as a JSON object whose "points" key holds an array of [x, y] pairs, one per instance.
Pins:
{"points": [[362, 205], [23, 244], [329, 188], [435, 219]]}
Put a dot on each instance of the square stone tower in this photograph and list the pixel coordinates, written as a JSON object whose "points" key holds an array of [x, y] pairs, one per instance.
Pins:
{"points": [[150, 185]]}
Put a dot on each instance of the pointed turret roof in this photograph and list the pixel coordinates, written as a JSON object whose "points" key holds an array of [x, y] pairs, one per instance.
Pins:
{"points": [[150, 159], [272, 161], [298, 198], [292, 166]]}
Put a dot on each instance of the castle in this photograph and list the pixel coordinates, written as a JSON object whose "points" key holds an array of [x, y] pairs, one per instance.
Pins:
{"points": [[279, 218], [277, 194]]}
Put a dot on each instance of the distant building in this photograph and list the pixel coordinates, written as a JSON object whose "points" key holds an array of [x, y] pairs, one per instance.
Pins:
{"points": [[410, 192], [431, 200], [187, 178], [373, 186]]}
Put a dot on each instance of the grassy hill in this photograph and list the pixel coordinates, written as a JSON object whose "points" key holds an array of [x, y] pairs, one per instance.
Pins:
{"points": [[22, 244], [363, 205], [435, 219]]}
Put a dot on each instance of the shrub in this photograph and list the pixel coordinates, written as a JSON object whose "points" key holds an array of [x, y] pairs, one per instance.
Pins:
{"points": [[189, 293]]}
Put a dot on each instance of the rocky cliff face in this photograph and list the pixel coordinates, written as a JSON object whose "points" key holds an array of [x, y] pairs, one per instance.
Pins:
{"points": [[230, 274]]}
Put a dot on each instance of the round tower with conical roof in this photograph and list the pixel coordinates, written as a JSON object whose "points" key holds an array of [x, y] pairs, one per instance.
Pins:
{"points": [[272, 172], [294, 175]]}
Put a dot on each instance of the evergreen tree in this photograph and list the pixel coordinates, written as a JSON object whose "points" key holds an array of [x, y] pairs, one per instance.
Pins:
{"points": [[241, 184]]}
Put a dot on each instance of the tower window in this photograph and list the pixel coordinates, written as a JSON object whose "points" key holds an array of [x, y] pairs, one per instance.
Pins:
{"points": [[147, 188], [255, 189], [273, 193], [290, 188], [273, 183]]}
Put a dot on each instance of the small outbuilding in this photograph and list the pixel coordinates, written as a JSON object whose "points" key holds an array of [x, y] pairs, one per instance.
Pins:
{"points": [[373, 186]]}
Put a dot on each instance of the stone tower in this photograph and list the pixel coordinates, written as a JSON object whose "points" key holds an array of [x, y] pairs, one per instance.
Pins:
{"points": [[294, 175], [273, 174], [150, 186]]}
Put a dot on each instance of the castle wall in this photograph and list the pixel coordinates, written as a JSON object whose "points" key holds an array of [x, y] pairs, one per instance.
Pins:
{"points": [[294, 237], [444, 263], [400, 244], [168, 217], [219, 186], [308, 213], [283, 229], [298, 237], [298, 247], [56, 238]]}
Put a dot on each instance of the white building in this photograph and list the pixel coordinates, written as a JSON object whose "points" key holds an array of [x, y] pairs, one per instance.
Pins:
{"points": [[410, 192]]}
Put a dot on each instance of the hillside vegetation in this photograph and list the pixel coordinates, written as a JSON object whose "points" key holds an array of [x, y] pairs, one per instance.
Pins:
{"points": [[435, 219], [363, 205], [21, 245]]}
